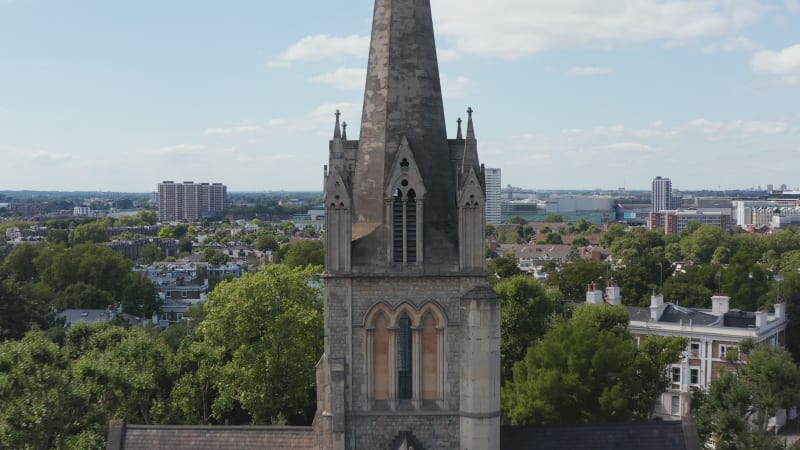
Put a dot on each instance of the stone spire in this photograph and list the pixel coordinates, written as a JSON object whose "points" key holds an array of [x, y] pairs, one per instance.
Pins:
{"points": [[459, 134], [403, 98], [344, 131], [337, 130], [471, 149]]}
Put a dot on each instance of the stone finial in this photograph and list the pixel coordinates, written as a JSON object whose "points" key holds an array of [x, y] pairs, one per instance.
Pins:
{"points": [[459, 135], [344, 131], [337, 131], [470, 126]]}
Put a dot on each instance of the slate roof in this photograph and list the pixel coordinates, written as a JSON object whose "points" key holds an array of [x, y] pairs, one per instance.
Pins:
{"points": [[638, 313], [166, 437], [676, 314], [666, 435]]}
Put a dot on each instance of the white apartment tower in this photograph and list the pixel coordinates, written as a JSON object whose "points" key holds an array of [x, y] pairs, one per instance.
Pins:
{"points": [[662, 194], [493, 196], [189, 200]]}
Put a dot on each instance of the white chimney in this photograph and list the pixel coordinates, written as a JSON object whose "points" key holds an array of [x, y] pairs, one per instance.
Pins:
{"points": [[594, 296], [613, 295], [720, 304], [657, 306], [761, 318], [780, 311]]}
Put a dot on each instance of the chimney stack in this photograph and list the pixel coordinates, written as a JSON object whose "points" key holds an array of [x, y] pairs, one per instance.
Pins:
{"points": [[720, 304], [594, 296], [613, 295], [657, 306], [761, 318], [780, 311]]}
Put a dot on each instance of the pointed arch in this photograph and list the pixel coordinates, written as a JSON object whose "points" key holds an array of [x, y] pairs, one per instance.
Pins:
{"points": [[404, 196]]}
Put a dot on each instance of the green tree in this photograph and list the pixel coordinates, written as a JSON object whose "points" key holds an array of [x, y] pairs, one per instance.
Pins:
{"points": [[553, 238], [586, 369], [735, 410], [527, 311], [56, 236], [269, 368], [82, 296], [573, 278], [580, 241], [151, 253], [41, 407], [517, 220], [501, 268], [614, 232], [20, 263], [185, 245], [690, 295], [304, 253], [148, 216], [20, 310], [266, 241], [553, 218], [95, 232], [702, 243], [214, 257]]}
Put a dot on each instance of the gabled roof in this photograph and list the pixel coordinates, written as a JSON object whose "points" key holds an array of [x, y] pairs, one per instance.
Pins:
{"points": [[666, 435], [165, 437]]}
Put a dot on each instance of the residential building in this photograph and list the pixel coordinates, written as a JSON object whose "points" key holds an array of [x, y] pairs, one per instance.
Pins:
{"points": [[675, 221], [190, 201], [493, 195], [662, 194], [711, 334]]}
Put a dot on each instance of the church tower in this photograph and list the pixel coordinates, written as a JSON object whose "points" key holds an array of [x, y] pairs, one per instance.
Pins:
{"points": [[412, 330]]}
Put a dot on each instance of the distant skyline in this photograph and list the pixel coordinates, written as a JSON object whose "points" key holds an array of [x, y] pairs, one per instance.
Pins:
{"points": [[568, 94]]}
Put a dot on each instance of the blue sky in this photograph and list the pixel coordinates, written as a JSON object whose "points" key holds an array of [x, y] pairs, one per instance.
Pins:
{"points": [[568, 93]]}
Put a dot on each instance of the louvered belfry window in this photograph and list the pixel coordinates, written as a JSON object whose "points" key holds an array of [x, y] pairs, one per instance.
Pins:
{"points": [[404, 227]]}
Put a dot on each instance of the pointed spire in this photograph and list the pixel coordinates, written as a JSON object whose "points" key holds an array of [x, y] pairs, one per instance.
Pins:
{"points": [[470, 149], [470, 126], [344, 131], [459, 135], [403, 97], [337, 131]]}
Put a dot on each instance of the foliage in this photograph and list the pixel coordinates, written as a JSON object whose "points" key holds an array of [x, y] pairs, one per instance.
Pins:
{"points": [[214, 257], [586, 369], [151, 253], [553, 218], [82, 296], [95, 232], [268, 364], [573, 278], [553, 238], [735, 410], [501, 268], [20, 263], [304, 253], [527, 310]]}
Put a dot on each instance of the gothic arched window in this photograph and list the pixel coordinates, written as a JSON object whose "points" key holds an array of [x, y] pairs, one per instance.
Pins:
{"points": [[404, 359], [404, 226], [380, 357]]}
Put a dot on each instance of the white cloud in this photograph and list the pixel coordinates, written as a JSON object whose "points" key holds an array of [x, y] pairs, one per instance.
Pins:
{"points": [[448, 55], [629, 147], [517, 28], [343, 78], [785, 64], [454, 87], [731, 45], [178, 149], [322, 47], [588, 71], [738, 128], [234, 130], [793, 6]]}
